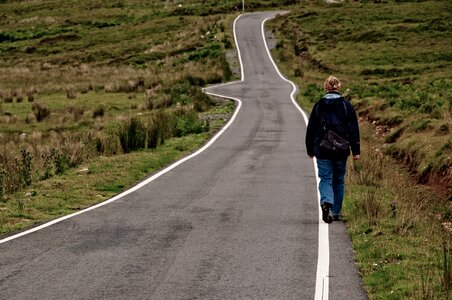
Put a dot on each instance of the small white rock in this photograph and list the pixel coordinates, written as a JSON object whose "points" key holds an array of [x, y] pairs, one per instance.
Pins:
{"points": [[82, 171]]}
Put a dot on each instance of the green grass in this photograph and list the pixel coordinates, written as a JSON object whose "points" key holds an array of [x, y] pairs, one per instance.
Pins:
{"points": [[90, 183], [396, 229], [116, 77], [62, 117], [394, 62], [393, 56]]}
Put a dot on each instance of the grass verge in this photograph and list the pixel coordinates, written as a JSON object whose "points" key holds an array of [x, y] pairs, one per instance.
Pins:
{"points": [[91, 183], [393, 58], [399, 229]]}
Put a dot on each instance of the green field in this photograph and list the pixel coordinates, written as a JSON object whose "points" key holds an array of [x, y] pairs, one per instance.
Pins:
{"points": [[95, 95], [394, 60]]}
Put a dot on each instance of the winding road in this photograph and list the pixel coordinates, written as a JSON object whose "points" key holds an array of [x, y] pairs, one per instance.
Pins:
{"points": [[239, 219]]}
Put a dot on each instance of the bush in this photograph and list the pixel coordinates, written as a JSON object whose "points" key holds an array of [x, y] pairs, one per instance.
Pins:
{"points": [[60, 161], [188, 123], [48, 166], [184, 93]]}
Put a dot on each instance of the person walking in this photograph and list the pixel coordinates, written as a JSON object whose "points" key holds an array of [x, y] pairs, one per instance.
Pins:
{"points": [[332, 113]]}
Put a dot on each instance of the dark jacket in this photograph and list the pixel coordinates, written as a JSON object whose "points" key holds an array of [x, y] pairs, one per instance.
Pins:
{"points": [[339, 116]]}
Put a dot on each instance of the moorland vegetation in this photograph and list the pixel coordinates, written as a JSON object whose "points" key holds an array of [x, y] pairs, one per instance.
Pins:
{"points": [[82, 80], [394, 58], [95, 95]]}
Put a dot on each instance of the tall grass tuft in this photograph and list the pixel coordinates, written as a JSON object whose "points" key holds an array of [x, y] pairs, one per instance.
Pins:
{"points": [[447, 266], [19, 97], [46, 159], [30, 96], [71, 93], [368, 171], [40, 111], [77, 112], [11, 170], [132, 135], [60, 160], [2, 186], [8, 98], [371, 207], [99, 112], [25, 167], [158, 129]]}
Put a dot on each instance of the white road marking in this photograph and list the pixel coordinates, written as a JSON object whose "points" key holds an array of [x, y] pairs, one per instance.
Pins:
{"points": [[145, 182], [323, 259], [322, 282]]}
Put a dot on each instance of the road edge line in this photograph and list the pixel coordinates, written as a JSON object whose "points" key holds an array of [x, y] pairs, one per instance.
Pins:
{"points": [[153, 177], [323, 259]]}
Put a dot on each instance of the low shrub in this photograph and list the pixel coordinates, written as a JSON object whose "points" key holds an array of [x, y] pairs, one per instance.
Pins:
{"points": [[60, 160], [187, 123]]}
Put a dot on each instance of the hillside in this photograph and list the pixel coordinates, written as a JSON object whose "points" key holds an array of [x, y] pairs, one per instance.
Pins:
{"points": [[394, 60], [95, 95]]}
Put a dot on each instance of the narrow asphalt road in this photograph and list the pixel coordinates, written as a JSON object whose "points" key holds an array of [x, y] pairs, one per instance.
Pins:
{"points": [[238, 221]]}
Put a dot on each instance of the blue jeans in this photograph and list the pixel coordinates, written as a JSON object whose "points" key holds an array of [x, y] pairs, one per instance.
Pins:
{"points": [[331, 186]]}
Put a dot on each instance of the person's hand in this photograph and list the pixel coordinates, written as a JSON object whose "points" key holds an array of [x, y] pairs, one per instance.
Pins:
{"points": [[356, 157]]}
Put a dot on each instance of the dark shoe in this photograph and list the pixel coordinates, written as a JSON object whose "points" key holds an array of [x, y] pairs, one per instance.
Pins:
{"points": [[336, 218], [326, 214]]}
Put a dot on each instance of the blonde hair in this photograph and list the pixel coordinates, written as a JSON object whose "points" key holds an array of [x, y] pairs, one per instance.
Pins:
{"points": [[332, 84]]}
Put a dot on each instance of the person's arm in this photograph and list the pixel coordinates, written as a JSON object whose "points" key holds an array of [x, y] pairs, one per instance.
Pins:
{"points": [[354, 133], [310, 132]]}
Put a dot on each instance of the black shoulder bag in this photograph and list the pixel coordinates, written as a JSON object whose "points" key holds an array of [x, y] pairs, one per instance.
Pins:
{"points": [[332, 141]]}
